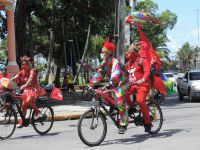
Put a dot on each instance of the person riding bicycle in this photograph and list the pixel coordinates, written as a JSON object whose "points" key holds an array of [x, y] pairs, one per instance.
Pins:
{"points": [[118, 80], [27, 77], [5, 94], [139, 73]]}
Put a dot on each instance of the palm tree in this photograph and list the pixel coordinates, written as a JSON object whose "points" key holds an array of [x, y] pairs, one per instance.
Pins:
{"points": [[186, 55]]}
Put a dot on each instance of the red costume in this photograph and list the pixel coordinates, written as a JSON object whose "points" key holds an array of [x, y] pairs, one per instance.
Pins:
{"points": [[34, 89], [27, 78], [139, 72]]}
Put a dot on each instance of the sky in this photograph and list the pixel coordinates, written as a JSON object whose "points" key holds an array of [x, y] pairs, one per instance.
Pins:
{"points": [[186, 29]]}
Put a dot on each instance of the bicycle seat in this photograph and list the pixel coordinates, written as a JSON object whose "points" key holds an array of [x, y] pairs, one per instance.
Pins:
{"points": [[43, 98]]}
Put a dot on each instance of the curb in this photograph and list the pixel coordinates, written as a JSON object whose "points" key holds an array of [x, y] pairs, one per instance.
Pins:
{"points": [[67, 117]]}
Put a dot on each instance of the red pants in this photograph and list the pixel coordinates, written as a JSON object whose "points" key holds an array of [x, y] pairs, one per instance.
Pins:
{"points": [[142, 92]]}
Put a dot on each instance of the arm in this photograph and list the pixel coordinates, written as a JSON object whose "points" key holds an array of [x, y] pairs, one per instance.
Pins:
{"points": [[97, 78], [146, 69], [116, 72], [15, 77], [32, 74]]}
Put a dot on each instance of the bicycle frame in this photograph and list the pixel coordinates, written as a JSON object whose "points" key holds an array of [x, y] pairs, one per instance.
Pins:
{"points": [[16, 98], [109, 101]]}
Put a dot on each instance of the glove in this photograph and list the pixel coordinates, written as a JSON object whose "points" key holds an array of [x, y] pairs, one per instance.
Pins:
{"points": [[140, 81]]}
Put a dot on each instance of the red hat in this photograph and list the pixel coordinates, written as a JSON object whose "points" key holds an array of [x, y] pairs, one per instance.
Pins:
{"points": [[109, 46]]}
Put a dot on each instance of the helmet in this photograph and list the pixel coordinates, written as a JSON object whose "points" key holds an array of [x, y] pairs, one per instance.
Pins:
{"points": [[2, 67]]}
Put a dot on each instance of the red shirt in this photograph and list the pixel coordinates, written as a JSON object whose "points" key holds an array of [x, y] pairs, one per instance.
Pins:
{"points": [[6, 76], [138, 70], [24, 76]]}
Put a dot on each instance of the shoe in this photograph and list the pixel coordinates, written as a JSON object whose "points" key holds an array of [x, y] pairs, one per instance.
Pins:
{"points": [[37, 115], [147, 127], [122, 129], [20, 124]]}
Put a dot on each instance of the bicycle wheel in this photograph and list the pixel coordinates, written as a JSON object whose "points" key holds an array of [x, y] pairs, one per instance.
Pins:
{"points": [[8, 121], [156, 117], [43, 124], [92, 128]]}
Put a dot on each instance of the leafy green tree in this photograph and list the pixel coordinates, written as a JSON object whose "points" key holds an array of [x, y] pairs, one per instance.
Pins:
{"points": [[186, 54], [156, 33]]}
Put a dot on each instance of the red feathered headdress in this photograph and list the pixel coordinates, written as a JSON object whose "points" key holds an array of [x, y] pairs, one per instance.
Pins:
{"points": [[109, 46]]}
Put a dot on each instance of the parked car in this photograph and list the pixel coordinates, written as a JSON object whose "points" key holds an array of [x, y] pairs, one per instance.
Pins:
{"points": [[171, 77], [189, 85]]}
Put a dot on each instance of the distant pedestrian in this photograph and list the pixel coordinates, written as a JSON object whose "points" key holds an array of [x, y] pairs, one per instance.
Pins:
{"points": [[70, 82]]}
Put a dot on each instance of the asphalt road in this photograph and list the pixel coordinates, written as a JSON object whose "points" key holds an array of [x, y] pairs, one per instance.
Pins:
{"points": [[180, 131]]}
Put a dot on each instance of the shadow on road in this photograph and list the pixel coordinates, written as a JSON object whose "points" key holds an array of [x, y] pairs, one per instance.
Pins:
{"points": [[35, 135], [142, 137]]}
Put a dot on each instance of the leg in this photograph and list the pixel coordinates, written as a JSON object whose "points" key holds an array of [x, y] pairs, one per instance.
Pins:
{"points": [[120, 94], [30, 101], [142, 93]]}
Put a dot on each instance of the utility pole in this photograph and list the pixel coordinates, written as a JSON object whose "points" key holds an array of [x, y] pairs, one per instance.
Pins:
{"points": [[132, 4], [121, 25], [197, 10]]}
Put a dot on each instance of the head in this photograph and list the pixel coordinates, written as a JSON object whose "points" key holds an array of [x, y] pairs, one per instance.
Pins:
{"points": [[25, 62], [107, 50], [133, 52], [3, 69]]}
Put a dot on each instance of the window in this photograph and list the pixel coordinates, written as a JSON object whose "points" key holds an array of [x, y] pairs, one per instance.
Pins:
{"points": [[194, 75], [169, 75]]}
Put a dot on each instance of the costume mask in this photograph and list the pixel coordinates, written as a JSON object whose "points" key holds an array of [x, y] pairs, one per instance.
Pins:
{"points": [[25, 67]]}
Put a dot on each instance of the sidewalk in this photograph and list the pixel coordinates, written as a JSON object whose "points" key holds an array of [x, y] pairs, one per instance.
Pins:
{"points": [[71, 108]]}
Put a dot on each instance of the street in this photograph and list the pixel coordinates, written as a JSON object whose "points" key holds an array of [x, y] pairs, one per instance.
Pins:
{"points": [[180, 130]]}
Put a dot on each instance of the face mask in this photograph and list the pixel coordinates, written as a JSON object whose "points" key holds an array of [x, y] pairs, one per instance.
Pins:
{"points": [[25, 67], [102, 56]]}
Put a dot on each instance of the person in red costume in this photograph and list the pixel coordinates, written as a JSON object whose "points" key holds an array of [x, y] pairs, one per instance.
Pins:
{"points": [[4, 73], [27, 77], [139, 72], [5, 94]]}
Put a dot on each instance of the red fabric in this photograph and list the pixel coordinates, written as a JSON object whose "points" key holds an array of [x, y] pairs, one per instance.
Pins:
{"points": [[142, 92], [138, 71], [6, 76], [57, 94], [152, 57], [24, 76], [158, 84], [35, 91], [110, 46]]}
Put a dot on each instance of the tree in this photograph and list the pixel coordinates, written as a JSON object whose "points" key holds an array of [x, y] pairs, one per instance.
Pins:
{"points": [[156, 33], [186, 55]]}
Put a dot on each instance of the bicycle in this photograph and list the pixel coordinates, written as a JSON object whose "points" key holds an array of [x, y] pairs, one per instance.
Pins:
{"points": [[92, 126], [9, 116]]}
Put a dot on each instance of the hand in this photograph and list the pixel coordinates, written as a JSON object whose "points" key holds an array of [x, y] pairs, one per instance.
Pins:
{"points": [[106, 87], [23, 87], [140, 81]]}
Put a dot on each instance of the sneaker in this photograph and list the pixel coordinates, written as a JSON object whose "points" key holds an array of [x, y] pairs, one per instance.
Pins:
{"points": [[20, 124], [122, 129], [37, 115], [147, 127]]}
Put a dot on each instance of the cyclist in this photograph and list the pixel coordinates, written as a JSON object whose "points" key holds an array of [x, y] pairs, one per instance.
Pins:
{"points": [[27, 77], [3, 73], [139, 72], [5, 94], [116, 72]]}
